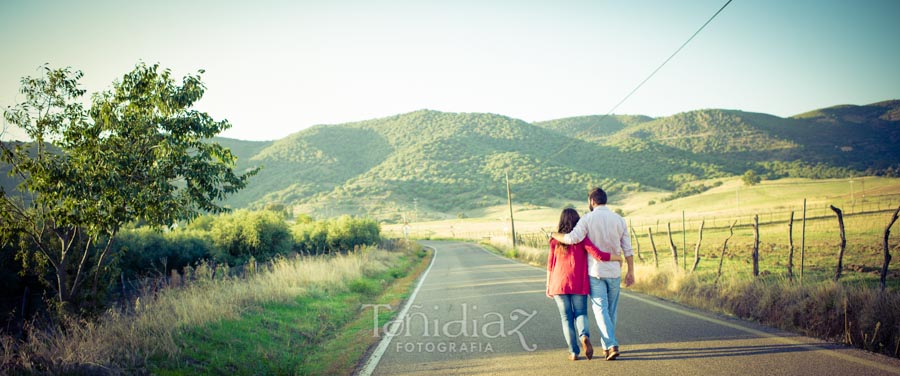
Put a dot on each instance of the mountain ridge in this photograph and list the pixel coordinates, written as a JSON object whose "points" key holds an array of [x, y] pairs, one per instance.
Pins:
{"points": [[442, 164]]}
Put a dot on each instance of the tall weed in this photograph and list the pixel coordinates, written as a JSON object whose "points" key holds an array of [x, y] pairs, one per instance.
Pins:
{"points": [[122, 339], [856, 315]]}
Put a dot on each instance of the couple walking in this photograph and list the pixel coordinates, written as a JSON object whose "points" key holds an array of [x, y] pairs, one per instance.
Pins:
{"points": [[585, 261]]}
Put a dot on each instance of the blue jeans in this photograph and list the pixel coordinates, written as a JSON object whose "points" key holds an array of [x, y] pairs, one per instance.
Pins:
{"points": [[573, 313], [605, 299]]}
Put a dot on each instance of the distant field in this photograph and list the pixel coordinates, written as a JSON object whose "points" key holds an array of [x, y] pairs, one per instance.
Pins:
{"points": [[733, 200], [867, 209]]}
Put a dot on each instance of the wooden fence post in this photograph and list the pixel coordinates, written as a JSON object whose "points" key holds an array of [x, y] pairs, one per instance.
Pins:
{"points": [[803, 244], [887, 253], [756, 245], [683, 241], [790, 267], [697, 250], [636, 243], [840, 215], [653, 245], [722, 257], [672, 245]]}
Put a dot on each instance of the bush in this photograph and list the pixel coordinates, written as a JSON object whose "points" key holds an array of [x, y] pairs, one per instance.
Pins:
{"points": [[144, 249], [335, 235], [243, 234], [364, 286]]}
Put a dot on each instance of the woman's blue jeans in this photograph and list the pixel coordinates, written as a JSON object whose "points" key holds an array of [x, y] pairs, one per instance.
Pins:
{"points": [[573, 314]]}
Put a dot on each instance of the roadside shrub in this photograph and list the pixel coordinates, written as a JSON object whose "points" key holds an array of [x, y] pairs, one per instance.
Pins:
{"points": [[243, 234], [364, 287], [310, 237], [144, 250], [335, 235], [129, 338]]}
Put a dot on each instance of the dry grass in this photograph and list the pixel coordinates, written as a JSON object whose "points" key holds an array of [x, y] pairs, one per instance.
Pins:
{"points": [[853, 314], [530, 255], [122, 339]]}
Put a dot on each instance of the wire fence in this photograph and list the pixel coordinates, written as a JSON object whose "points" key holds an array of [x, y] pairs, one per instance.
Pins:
{"points": [[816, 234]]}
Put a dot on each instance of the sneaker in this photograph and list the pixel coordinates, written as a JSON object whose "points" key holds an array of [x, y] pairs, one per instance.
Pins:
{"points": [[588, 348], [573, 357], [612, 353]]}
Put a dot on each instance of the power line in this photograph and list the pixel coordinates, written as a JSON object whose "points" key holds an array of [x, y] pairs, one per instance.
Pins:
{"points": [[670, 58], [636, 88]]}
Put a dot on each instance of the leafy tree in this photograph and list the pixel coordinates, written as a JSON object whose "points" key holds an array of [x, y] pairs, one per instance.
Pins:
{"points": [[751, 178], [139, 154]]}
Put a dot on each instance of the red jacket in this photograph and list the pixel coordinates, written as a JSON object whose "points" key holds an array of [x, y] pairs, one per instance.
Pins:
{"points": [[569, 272]]}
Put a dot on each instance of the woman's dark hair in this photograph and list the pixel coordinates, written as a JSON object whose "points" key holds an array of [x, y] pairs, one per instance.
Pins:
{"points": [[567, 220]]}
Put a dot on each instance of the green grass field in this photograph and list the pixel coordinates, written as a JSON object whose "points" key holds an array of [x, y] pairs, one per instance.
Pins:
{"points": [[323, 331], [867, 211]]}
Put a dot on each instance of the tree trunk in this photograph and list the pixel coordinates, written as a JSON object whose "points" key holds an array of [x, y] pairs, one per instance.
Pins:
{"points": [[724, 247], [76, 283], [672, 245], [109, 243], [62, 281], [62, 273], [697, 249], [887, 253], [653, 245], [840, 262], [756, 245]]}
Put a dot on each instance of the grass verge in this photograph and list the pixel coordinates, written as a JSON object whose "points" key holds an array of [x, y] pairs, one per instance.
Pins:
{"points": [[850, 312], [325, 331], [854, 314], [296, 316]]}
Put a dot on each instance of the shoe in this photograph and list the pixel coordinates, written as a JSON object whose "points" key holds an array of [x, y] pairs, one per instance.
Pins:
{"points": [[588, 348], [612, 353], [573, 357]]}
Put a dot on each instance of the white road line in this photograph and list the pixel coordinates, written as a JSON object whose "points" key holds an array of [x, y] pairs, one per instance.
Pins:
{"points": [[762, 334], [375, 358]]}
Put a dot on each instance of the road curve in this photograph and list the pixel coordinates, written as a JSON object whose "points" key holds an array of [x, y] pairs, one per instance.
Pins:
{"points": [[479, 313]]}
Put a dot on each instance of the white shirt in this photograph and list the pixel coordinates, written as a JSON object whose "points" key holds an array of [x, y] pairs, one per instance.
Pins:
{"points": [[608, 231]]}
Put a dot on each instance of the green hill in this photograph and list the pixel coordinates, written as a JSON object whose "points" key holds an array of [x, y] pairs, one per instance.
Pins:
{"points": [[439, 164], [436, 161], [593, 127], [712, 132]]}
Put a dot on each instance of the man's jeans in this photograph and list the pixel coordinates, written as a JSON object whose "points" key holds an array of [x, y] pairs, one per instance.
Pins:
{"points": [[605, 299], [573, 314]]}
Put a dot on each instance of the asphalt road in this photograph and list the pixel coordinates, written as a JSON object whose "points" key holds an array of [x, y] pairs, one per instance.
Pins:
{"points": [[478, 313]]}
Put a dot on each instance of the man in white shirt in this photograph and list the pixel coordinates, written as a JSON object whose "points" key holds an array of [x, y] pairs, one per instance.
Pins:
{"points": [[608, 231]]}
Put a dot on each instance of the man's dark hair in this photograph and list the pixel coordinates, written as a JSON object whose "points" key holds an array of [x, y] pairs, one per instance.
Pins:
{"points": [[598, 196]]}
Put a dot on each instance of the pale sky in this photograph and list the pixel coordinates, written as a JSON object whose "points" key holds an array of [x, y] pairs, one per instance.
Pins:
{"points": [[276, 67]]}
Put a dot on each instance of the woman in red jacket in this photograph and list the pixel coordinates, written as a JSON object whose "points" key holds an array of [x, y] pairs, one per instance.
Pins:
{"points": [[568, 283]]}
